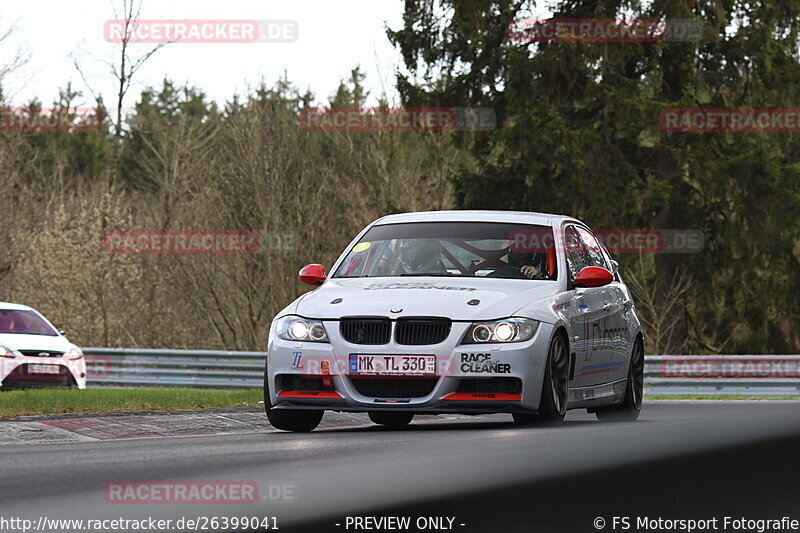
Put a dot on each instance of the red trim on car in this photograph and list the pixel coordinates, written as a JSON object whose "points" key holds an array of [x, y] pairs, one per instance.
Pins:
{"points": [[318, 394], [483, 396]]}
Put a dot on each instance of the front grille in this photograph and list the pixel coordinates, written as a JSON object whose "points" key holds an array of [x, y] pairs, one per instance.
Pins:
{"points": [[392, 387], [22, 378], [420, 331], [365, 330], [41, 353]]}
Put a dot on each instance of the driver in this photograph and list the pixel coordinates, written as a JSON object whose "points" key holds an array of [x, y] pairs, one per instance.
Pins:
{"points": [[421, 256], [521, 265], [7, 324], [527, 264]]}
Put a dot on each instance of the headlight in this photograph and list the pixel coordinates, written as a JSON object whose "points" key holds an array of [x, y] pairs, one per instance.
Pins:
{"points": [[295, 328], [8, 352], [74, 353], [506, 330]]}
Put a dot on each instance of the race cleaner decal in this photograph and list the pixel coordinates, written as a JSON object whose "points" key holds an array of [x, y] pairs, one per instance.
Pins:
{"points": [[380, 286], [479, 363]]}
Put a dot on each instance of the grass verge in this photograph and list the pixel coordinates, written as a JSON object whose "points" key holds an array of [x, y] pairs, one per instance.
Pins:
{"points": [[61, 401], [35, 402], [720, 397]]}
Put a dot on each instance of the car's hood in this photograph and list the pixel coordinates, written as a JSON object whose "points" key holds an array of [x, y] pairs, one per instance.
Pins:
{"points": [[456, 298], [34, 342]]}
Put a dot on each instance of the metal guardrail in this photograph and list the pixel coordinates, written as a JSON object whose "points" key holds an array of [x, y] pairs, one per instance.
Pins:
{"points": [[664, 374], [174, 368], [748, 375]]}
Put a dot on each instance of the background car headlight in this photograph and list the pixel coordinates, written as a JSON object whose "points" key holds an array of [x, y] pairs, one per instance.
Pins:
{"points": [[74, 353], [8, 352], [295, 328], [506, 330]]}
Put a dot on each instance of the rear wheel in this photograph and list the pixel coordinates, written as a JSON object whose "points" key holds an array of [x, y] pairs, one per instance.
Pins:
{"points": [[289, 419], [394, 420], [631, 405], [555, 388]]}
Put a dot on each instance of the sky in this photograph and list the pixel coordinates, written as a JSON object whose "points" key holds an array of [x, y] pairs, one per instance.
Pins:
{"points": [[333, 38]]}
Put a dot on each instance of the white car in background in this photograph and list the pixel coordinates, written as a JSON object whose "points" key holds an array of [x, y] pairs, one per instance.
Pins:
{"points": [[33, 353]]}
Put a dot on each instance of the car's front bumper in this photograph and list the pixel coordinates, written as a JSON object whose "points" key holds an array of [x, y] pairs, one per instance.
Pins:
{"points": [[21, 371], [514, 384]]}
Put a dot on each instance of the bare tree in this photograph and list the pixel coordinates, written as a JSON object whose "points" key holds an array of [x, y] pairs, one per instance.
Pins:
{"points": [[12, 160], [656, 307], [95, 299], [15, 60], [128, 13]]}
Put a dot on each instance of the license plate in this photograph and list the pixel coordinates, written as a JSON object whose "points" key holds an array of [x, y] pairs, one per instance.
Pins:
{"points": [[45, 369], [392, 365]]}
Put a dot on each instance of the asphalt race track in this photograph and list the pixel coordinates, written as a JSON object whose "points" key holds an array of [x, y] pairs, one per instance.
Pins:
{"points": [[680, 460]]}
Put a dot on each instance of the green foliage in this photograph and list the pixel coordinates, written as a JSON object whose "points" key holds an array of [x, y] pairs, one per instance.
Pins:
{"points": [[579, 134], [185, 164]]}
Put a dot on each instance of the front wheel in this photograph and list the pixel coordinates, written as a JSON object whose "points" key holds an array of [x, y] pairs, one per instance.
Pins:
{"points": [[631, 405], [394, 420], [555, 387], [294, 419], [289, 419]]}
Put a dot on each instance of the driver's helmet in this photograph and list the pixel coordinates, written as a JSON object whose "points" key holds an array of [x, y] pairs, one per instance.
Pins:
{"points": [[420, 255]]}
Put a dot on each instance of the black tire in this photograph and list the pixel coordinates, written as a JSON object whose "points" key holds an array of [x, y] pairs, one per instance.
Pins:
{"points": [[390, 419], [297, 420], [631, 405], [555, 387]]}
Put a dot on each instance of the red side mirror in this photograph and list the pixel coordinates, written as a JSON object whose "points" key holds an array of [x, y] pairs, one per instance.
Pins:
{"points": [[593, 276], [313, 274]]}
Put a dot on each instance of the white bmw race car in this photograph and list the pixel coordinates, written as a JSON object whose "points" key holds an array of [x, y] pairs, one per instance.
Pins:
{"points": [[459, 312], [33, 353]]}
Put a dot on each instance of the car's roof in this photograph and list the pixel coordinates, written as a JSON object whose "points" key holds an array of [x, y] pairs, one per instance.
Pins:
{"points": [[14, 307], [524, 217]]}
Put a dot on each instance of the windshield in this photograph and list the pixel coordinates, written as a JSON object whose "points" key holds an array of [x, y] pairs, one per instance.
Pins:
{"points": [[460, 249], [24, 323]]}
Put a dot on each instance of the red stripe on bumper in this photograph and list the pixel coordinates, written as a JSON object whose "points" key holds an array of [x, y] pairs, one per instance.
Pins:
{"points": [[318, 394], [599, 371], [483, 396]]}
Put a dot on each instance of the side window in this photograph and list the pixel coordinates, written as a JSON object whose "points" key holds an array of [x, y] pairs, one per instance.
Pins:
{"points": [[575, 251], [595, 251]]}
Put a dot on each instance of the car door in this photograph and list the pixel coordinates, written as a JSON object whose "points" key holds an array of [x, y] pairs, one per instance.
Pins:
{"points": [[586, 315], [612, 332], [619, 305]]}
